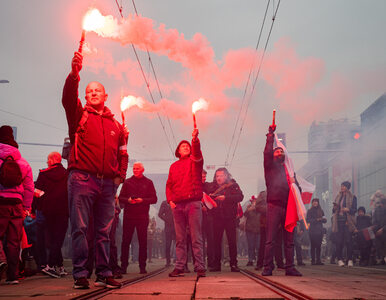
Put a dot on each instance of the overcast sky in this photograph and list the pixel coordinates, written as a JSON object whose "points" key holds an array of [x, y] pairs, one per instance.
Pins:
{"points": [[325, 59]]}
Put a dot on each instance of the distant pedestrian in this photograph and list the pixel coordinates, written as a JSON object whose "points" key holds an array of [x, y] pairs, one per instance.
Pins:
{"points": [[343, 222], [316, 219]]}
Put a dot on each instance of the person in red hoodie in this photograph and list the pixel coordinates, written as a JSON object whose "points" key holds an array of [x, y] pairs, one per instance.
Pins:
{"points": [[184, 194], [97, 165]]}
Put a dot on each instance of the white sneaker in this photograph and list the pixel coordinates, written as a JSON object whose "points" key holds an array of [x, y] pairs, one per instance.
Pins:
{"points": [[341, 263], [62, 271], [350, 263]]}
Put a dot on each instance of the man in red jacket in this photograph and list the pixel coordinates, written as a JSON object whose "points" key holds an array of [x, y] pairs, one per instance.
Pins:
{"points": [[97, 164], [184, 194]]}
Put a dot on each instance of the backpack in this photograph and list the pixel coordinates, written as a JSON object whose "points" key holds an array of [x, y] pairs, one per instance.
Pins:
{"points": [[10, 173]]}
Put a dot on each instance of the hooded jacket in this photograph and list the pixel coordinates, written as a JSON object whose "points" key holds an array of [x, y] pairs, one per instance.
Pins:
{"points": [[185, 176], [275, 176], [23, 193], [101, 145], [53, 181]]}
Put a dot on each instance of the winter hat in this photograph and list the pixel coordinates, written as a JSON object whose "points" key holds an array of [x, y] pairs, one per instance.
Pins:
{"points": [[6, 136], [346, 184], [178, 147]]}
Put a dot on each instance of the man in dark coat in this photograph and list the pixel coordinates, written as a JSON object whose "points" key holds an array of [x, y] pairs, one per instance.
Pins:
{"points": [[52, 202], [136, 196], [277, 196], [227, 194]]}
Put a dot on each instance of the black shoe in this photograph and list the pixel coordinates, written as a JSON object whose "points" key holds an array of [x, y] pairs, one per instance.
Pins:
{"points": [[117, 275], [292, 272], [143, 271], [267, 272], [235, 269], [3, 268], [215, 269], [176, 273], [250, 263], [81, 284], [201, 273]]}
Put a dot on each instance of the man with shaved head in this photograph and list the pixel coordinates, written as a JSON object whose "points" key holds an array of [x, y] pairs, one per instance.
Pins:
{"points": [[51, 203], [137, 194], [97, 165]]}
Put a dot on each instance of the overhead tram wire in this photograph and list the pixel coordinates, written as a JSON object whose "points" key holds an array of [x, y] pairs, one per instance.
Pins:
{"points": [[147, 85], [255, 81], [156, 80], [246, 85], [32, 120]]}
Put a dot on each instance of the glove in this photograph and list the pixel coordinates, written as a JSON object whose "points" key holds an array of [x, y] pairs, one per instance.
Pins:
{"points": [[272, 129]]}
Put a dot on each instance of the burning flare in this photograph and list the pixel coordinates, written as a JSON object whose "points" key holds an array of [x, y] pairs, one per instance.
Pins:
{"points": [[130, 101], [199, 104], [93, 20]]}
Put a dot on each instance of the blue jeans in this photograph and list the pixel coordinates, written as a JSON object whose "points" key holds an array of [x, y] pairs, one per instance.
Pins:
{"points": [[188, 215], [253, 239], [275, 223], [89, 195]]}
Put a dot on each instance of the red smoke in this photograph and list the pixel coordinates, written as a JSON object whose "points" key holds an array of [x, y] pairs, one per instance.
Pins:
{"points": [[302, 87]]}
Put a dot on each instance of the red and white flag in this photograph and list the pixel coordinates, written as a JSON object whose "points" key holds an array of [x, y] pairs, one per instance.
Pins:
{"points": [[295, 206], [208, 201], [307, 189]]}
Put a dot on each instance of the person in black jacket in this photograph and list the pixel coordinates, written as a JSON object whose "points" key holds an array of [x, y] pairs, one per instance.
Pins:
{"points": [[277, 197], [51, 201], [227, 194], [315, 217], [137, 194], [165, 214], [363, 223]]}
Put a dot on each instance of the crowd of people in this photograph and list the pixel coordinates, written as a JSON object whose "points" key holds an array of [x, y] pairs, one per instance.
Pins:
{"points": [[196, 212]]}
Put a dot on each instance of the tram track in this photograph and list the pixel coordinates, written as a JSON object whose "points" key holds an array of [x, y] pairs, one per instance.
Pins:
{"points": [[99, 293], [278, 288]]}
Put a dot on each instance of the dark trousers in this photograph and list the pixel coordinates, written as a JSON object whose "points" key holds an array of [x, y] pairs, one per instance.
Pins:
{"points": [[208, 234], [11, 227], [113, 262], [128, 230], [219, 225], [56, 228], [275, 223], [343, 238], [316, 245], [170, 235], [41, 237]]}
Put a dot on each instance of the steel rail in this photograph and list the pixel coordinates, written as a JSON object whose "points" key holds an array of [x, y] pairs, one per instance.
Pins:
{"points": [[278, 288], [99, 293]]}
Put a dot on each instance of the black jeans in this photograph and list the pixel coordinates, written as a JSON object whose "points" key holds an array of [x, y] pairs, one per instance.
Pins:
{"points": [[170, 235], [128, 229], [343, 238], [316, 244], [275, 223], [113, 262], [219, 225], [56, 228]]}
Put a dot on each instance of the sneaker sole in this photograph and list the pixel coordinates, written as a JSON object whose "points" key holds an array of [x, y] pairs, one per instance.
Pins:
{"points": [[113, 286], [51, 274], [80, 287], [179, 275], [100, 284]]}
